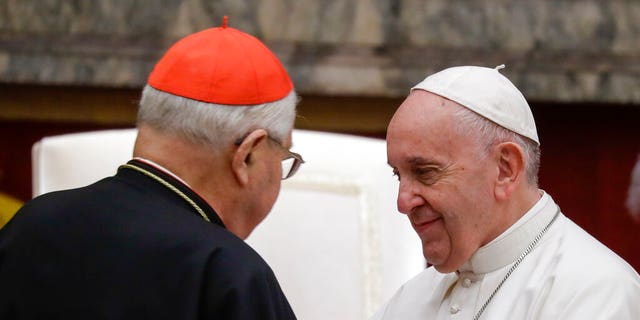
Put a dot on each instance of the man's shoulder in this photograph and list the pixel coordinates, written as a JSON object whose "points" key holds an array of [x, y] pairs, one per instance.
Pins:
{"points": [[585, 257], [144, 221], [226, 247]]}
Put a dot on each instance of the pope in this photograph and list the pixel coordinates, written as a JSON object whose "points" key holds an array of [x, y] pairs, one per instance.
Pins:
{"points": [[465, 149]]}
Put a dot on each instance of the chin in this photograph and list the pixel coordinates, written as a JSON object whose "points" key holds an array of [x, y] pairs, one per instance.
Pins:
{"points": [[440, 263], [433, 255], [443, 268]]}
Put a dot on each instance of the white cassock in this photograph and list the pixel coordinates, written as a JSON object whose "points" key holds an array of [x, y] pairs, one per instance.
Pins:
{"points": [[568, 275]]}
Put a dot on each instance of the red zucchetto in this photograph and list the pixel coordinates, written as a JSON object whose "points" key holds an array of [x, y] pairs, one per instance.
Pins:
{"points": [[224, 66]]}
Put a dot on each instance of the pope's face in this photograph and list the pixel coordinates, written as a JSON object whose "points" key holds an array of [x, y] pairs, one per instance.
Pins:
{"points": [[445, 181]]}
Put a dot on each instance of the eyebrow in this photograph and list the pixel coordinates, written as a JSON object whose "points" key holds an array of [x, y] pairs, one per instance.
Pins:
{"points": [[420, 161]]}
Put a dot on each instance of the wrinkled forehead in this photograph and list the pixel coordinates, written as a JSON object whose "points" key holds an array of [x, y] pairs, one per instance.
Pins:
{"points": [[423, 127], [423, 110]]}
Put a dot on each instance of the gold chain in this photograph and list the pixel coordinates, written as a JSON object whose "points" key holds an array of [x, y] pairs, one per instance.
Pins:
{"points": [[170, 186]]}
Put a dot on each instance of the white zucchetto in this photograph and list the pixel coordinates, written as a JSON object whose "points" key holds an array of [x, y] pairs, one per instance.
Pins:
{"points": [[486, 92]]}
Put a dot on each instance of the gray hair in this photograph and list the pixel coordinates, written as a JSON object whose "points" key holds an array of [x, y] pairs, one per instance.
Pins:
{"points": [[488, 134], [215, 125]]}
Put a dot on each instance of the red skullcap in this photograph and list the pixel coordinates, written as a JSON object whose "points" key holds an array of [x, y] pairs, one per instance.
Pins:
{"points": [[221, 65]]}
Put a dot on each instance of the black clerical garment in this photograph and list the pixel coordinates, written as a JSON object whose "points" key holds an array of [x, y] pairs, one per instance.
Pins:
{"points": [[128, 247]]}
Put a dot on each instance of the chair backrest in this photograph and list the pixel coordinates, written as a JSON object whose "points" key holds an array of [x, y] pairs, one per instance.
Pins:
{"points": [[334, 238], [78, 159]]}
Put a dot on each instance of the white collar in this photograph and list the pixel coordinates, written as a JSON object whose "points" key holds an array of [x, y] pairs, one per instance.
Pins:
{"points": [[161, 168], [508, 246]]}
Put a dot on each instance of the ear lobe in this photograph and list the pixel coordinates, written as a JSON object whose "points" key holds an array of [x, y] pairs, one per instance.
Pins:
{"points": [[510, 160], [242, 159]]}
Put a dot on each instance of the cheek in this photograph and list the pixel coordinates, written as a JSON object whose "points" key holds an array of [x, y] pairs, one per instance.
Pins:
{"points": [[265, 198], [273, 185], [463, 221], [268, 187], [271, 188], [461, 234], [467, 228], [436, 245]]}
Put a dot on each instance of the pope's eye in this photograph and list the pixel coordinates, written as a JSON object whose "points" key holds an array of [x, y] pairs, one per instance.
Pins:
{"points": [[427, 175]]}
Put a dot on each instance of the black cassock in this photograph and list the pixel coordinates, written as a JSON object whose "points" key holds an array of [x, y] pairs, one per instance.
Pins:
{"points": [[128, 247]]}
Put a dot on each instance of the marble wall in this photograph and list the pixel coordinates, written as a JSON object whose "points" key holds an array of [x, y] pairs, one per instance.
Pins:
{"points": [[554, 50]]}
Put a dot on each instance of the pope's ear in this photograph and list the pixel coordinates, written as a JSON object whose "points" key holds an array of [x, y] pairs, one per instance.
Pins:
{"points": [[242, 159], [511, 168]]}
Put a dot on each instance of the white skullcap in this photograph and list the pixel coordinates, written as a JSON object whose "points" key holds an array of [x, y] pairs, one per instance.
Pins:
{"points": [[486, 92]]}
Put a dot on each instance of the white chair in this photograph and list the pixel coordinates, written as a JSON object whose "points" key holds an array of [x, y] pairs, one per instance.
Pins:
{"points": [[78, 159], [334, 238]]}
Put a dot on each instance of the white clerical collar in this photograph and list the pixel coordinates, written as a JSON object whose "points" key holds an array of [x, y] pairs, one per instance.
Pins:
{"points": [[508, 246], [161, 168]]}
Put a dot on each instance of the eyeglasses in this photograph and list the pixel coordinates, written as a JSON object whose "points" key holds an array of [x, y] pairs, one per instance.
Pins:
{"points": [[290, 163]]}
